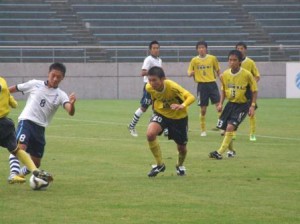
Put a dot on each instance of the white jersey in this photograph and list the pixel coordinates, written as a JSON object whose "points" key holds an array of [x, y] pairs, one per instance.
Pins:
{"points": [[42, 102], [150, 62]]}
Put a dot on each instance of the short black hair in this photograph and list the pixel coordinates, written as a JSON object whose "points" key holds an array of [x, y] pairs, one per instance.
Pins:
{"points": [[236, 53], [241, 44], [156, 71], [152, 43], [202, 42], [58, 66]]}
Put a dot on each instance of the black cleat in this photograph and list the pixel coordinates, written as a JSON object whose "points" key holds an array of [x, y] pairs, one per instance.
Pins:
{"points": [[43, 175], [180, 170], [231, 154], [156, 170], [215, 155]]}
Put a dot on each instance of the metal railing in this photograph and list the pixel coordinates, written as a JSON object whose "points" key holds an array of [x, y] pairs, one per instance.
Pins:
{"points": [[87, 54]]}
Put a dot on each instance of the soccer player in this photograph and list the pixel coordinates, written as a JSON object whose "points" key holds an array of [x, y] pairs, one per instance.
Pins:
{"points": [[249, 64], [204, 68], [235, 81], [170, 103], [152, 60], [43, 101], [8, 136]]}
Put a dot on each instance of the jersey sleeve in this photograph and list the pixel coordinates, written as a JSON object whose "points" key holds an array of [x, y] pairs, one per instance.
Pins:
{"points": [[146, 64], [216, 64], [185, 95], [27, 86], [191, 67], [254, 70], [64, 98], [252, 83]]}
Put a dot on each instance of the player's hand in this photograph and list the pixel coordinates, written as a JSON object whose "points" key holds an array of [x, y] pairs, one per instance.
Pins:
{"points": [[72, 98], [192, 74], [251, 111], [176, 106], [219, 107]]}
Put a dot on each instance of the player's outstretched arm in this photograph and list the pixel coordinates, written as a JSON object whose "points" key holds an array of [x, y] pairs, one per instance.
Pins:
{"points": [[13, 89], [70, 106]]}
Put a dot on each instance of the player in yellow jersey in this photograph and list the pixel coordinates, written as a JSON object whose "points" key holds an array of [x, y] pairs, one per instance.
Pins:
{"points": [[234, 81], [170, 103], [249, 64], [8, 136], [204, 68]]}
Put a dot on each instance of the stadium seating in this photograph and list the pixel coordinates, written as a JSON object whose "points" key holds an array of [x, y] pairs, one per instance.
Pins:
{"points": [[135, 23]]}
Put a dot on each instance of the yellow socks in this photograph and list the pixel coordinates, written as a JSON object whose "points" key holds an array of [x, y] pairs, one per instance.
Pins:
{"points": [[252, 125], [226, 142], [202, 123], [230, 146], [155, 149], [26, 160]]}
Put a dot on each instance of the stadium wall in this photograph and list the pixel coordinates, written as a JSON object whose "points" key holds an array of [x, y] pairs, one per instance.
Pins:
{"points": [[122, 80]]}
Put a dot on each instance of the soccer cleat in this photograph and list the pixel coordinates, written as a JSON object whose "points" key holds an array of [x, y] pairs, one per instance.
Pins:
{"points": [[203, 134], [215, 155], [180, 170], [231, 154], [132, 131], [166, 132], [252, 138], [43, 175], [156, 170], [16, 179]]}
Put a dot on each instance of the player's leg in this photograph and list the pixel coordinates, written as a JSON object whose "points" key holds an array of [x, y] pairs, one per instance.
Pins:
{"points": [[236, 113], [223, 125], [145, 102], [179, 133], [203, 99], [215, 100], [16, 153], [154, 129], [231, 152], [31, 141], [203, 121], [252, 120], [182, 152], [25, 170]]}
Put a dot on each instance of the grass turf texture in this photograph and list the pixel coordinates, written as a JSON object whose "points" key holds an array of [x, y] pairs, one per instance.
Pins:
{"points": [[101, 171]]}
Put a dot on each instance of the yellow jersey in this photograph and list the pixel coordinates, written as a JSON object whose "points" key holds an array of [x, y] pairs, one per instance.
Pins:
{"points": [[6, 100], [235, 85], [171, 94], [205, 68], [250, 65]]}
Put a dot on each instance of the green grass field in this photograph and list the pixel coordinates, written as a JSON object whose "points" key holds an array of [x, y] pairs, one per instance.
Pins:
{"points": [[101, 171]]}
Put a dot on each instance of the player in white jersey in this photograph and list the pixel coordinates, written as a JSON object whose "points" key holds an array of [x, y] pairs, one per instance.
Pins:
{"points": [[153, 60], [43, 101]]}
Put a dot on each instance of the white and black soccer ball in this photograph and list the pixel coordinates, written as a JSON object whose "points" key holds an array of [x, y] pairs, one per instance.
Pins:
{"points": [[38, 183]]}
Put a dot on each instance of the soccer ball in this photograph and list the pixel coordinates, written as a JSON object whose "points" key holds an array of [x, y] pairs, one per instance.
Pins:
{"points": [[37, 183]]}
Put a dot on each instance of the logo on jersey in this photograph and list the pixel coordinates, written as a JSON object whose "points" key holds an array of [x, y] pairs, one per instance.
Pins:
{"points": [[297, 81]]}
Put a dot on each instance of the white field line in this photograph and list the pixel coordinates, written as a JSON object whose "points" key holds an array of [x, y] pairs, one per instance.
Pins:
{"points": [[93, 122]]}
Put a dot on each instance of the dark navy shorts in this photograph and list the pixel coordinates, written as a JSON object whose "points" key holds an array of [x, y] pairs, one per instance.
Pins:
{"points": [[146, 100], [33, 136], [177, 129], [207, 91], [233, 113], [7, 134]]}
